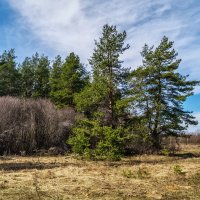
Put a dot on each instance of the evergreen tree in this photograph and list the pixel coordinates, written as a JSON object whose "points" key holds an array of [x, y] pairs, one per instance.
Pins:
{"points": [[102, 136], [72, 79], [9, 75], [55, 82], [35, 72], [27, 71], [159, 92], [108, 76], [41, 76]]}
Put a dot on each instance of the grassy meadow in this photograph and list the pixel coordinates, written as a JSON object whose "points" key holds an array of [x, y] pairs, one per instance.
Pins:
{"points": [[142, 177]]}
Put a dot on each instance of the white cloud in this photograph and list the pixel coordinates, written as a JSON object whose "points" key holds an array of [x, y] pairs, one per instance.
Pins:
{"points": [[63, 26], [57, 24]]}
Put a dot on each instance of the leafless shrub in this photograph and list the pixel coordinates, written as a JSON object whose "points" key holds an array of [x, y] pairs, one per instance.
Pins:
{"points": [[67, 115], [193, 139], [27, 124], [139, 144], [172, 144]]}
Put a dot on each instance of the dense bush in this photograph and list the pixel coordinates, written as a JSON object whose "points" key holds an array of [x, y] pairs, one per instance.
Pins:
{"points": [[26, 125], [91, 140]]}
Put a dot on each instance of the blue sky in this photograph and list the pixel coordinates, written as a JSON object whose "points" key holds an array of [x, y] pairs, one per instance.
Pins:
{"points": [[59, 27]]}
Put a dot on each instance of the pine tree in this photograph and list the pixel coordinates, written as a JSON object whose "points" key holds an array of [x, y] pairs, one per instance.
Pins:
{"points": [[102, 135], [9, 75], [108, 75], [55, 82], [72, 79], [41, 76], [35, 73], [27, 71], [158, 92]]}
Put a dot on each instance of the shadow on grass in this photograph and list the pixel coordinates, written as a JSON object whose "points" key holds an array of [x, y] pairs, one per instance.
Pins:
{"points": [[174, 157], [186, 155], [135, 162], [33, 165], [5, 158], [15, 166], [26, 165]]}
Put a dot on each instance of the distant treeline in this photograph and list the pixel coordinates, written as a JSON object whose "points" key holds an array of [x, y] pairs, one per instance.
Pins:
{"points": [[122, 110], [37, 77], [191, 139]]}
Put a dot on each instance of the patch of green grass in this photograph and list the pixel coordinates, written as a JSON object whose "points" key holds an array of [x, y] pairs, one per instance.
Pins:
{"points": [[128, 174], [165, 152], [178, 170]]}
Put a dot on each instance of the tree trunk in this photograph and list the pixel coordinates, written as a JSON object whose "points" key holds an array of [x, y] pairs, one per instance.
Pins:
{"points": [[155, 134], [111, 110], [156, 142]]}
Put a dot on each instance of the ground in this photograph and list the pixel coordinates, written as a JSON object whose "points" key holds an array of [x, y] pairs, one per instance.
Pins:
{"points": [[143, 177]]}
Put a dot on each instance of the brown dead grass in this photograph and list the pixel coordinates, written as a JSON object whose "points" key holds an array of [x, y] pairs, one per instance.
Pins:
{"points": [[66, 177]]}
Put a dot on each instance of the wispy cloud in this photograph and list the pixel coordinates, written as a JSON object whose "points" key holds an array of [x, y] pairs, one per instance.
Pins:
{"points": [[63, 26]]}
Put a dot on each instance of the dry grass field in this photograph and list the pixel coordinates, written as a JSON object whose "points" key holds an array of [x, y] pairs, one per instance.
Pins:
{"points": [[66, 177]]}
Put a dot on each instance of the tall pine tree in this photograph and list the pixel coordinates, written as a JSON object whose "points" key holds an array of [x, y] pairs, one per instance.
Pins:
{"points": [[9, 75], [67, 79], [55, 79], [108, 75], [41, 76], [27, 71], [102, 135], [35, 72], [158, 92]]}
